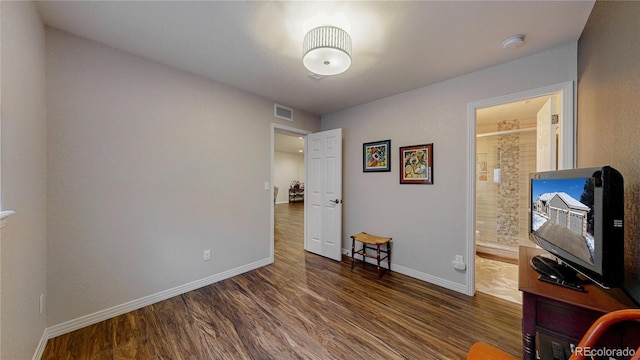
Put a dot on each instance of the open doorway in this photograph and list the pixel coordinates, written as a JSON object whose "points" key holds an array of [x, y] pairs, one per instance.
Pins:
{"points": [[287, 177], [506, 153], [506, 148], [288, 168]]}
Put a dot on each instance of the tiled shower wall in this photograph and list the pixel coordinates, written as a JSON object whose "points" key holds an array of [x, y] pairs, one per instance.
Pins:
{"points": [[502, 201]]}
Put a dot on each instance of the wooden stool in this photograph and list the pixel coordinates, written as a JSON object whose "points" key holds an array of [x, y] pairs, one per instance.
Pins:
{"points": [[375, 242]]}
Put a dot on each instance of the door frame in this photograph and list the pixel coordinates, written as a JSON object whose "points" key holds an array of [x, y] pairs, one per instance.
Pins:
{"points": [[566, 148], [300, 132]]}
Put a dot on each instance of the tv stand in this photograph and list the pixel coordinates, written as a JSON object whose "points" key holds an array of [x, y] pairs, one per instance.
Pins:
{"points": [[558, 312]]}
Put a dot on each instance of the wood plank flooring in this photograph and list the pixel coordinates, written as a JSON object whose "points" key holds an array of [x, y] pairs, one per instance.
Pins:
{"points": [[302, 307]]}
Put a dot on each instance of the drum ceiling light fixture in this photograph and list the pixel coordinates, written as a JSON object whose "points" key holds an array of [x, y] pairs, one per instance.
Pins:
{"points": [[327, 50]]}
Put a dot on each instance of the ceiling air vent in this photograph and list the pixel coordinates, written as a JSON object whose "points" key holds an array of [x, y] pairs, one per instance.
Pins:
{"points": [[282, 112]]}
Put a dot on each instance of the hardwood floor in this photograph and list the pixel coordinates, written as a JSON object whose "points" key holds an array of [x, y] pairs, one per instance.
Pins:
{"points": [[302, 307]]}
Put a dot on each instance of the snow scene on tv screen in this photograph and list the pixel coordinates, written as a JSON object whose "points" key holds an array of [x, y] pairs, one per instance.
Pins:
{"points": [[562, 214]]}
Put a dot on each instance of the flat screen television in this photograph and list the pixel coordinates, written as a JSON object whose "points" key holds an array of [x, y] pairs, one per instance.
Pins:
{"points": [[577, 215]]}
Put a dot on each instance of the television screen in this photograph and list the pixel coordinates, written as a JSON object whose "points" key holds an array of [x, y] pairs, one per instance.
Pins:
{"points": [[562, 212], [577, 215]]}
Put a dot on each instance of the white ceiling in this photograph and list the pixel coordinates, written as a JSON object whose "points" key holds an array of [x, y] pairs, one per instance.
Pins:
{"points": [[256, 46], [521, 110], [288, 143]]}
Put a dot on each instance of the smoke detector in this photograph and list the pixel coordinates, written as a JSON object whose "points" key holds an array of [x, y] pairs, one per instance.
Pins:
{"points": [[514, 41]]}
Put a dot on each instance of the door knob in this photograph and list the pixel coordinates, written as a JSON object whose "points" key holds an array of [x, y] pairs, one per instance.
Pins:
{"points": [[336, 201]]}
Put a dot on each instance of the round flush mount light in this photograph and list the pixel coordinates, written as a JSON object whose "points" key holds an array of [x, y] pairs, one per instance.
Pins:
{"points": [[327, 50], [514, 41]]}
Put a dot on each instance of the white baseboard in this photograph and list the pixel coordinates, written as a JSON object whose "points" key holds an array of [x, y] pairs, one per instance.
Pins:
{"points": [[41, 345], [447, 284], [418, 275], [75, 324]]}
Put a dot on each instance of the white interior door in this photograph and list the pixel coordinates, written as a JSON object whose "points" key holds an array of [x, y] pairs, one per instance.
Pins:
{"points": [[323, 194], [546, 137]]}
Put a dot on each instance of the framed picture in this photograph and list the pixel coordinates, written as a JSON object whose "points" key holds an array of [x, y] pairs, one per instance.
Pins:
{"points": [[416, 164], [376, 156]]}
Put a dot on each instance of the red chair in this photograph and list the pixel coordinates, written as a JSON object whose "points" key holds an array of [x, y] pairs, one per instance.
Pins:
{"points": [[483, 351]]}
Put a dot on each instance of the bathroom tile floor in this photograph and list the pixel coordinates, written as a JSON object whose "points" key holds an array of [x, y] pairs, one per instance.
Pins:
{"points": [[498, 278]]}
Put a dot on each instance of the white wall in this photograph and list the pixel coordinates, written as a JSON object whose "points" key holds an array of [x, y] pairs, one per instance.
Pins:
{"points": [[147, 167], [24, 246], [286, 167], [428, 222]]}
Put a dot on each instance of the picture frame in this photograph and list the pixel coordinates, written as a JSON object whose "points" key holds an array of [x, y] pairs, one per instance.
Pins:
{"points": [[416, 164], [376, 156]]}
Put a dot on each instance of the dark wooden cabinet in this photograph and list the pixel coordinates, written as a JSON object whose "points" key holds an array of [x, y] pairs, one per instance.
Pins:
{"points": [[552, 311]]}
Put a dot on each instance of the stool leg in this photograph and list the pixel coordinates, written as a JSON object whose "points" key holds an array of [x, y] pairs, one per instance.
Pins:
{"points": [[353, 252], [389, 255], [364, 251], [378, 258]]}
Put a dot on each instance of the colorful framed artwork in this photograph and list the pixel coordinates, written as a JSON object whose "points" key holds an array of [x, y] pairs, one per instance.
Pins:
{"points": [[416, 164], [376, 156]]}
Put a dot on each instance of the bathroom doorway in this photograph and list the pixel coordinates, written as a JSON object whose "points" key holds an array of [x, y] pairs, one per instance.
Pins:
{"points": [[507, 147], [506, 153]]}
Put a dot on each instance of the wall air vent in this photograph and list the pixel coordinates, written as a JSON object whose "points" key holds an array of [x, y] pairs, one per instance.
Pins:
{"points": [[282, 112]]}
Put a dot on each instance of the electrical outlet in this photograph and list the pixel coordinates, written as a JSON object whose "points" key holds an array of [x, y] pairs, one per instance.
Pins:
{"points": [[558, 352], [458, 263], [207, 255], [41, 303]]}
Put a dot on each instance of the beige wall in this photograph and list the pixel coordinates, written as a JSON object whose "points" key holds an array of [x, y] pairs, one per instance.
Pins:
{"points": [[609, 110], [428, 222], [24, 246], [147, 167]]}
